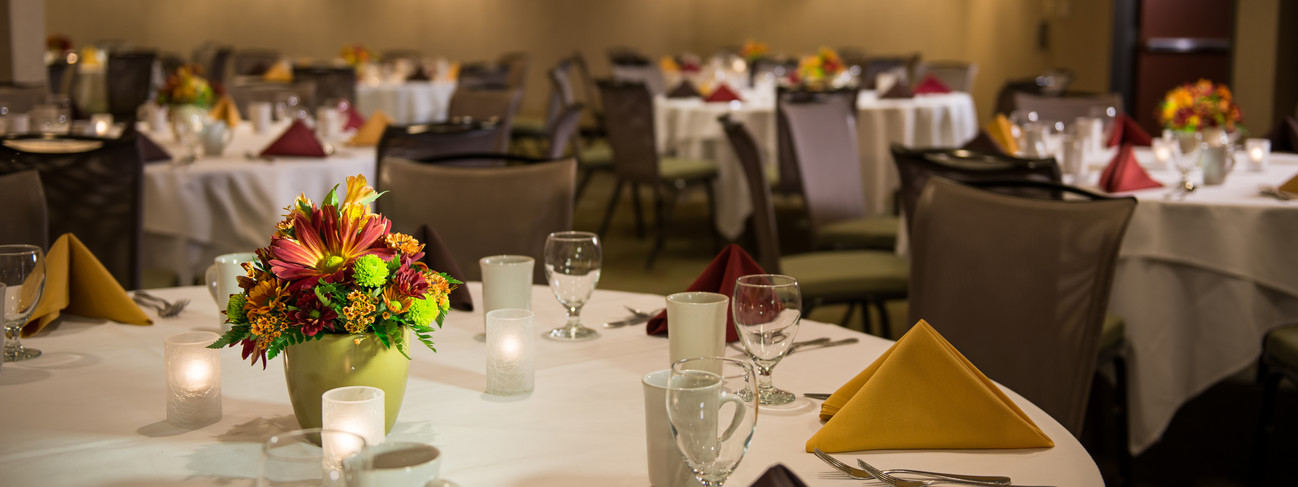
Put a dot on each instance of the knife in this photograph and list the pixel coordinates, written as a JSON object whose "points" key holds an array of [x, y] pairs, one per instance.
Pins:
{"points": [[845, 341], [634, 320]]}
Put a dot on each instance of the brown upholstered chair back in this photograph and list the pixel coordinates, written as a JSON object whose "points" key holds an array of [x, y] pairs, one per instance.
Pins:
{"points": [[765, 231], [130, 77], [824, 144], [487, 104], [482, 211], [1018, 285], [916, 166], [959, 76], [331, 83], [430, 140], [26, 220], [1065, 108], [563, 130], [96, 195], [790, 181], [253, 62], [629, 112]]}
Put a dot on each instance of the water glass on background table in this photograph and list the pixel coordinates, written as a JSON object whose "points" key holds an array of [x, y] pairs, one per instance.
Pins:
{"points": [[767, 310], [22, 270], [712, 408], [313, 457], [572, 265]]}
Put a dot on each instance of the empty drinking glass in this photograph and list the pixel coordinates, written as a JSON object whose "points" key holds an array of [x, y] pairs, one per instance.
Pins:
{"points": [[572, 265], [22, 270], [712, 408], [1185, 156], [313, 456], [767, 309]]}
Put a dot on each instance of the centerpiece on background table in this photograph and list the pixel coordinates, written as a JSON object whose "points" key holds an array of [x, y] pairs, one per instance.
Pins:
{"points": [[822, 70], [363, 60], [1205, 112], [187, 96], [341, 296]]}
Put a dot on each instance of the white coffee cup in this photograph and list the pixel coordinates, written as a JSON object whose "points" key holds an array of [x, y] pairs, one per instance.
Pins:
{"points": [[696, 324], [259, 113], [403, 464], [506, 282], [222, 279], [157, 118], [667, 468]]}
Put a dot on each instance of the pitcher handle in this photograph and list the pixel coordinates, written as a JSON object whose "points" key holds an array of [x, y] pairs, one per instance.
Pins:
{"points": [[740, 410], [209, 277]]}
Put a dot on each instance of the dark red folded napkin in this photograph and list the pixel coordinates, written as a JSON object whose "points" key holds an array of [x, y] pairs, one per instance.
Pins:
{"points": [[719, 277], [150, 151], [723, 93], [932, 86], [419, 75], [298, 140], [985, 144], [778, 476], [685, 89], [437, 258], [354, 119], [1127, 131], [898, 90], [1284, 137], [1125, 174]]}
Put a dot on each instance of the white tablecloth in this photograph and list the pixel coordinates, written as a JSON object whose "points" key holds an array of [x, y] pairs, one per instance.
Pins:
{"points": [[91, 410], [230, 203], [690, 128], [406, 103], [1199, 282]]}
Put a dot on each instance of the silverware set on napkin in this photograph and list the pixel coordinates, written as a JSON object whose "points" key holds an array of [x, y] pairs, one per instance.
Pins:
{"points": [[166, 309], [925, 478]]}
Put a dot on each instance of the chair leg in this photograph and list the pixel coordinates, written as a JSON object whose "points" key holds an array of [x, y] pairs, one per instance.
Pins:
{"points": [[848, 315], [639, 214], [612, 205], [1123, 451], [867, 323], [664, 215], [712, 215], [581, 185], [885, 323], [1265, 427]]}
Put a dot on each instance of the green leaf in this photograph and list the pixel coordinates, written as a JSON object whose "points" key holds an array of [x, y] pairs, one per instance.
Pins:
{"points": [[331, 199], [235, 335], [371, 198]]}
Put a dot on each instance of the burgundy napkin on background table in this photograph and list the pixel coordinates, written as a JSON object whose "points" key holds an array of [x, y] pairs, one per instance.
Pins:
{"points": [[985, 144], [719, 277], [1125, 174], [723, 93], [437, 258], [297, 140], [932, 86], [898, 90], [150, 151], [1127, 131], [685, 89]]}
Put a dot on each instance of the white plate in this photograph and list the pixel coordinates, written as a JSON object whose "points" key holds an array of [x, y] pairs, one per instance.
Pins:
{"points": [[53, 146]]}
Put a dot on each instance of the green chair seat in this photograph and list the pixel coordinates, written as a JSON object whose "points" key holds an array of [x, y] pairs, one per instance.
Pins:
{"points": [[1112, 333], [682, 168], [529, 127], [864, 233], [595, 157], [1282, 346], [849, 274]]}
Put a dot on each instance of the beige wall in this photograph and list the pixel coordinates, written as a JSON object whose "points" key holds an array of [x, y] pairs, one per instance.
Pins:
{"points": [[1081, 40], [999, 35], [1257, 24]]}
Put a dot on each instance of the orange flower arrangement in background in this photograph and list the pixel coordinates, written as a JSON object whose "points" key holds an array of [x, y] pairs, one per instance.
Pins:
{"points": [[1199, 105]]}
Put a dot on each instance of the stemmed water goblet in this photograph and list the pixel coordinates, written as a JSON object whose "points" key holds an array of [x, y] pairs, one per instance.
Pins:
{"points": [[572, 265], [712, 409], [1185, 156], [767, 309], [313, 456], [22, 270]]}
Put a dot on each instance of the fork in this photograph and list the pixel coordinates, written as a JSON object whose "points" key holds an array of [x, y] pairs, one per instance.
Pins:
{"points": [[165, 308], [865, 475], [896, 482]]}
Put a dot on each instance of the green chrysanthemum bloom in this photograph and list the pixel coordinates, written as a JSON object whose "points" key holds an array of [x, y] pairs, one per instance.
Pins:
{"points": [[422, 312], [370, 271], [234, 309]]}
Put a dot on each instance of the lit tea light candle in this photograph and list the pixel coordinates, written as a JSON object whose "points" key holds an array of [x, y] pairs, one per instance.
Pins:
{"points": [[510, 352], [355, 409], [100, 123], [1259, 153], [193, 379]]}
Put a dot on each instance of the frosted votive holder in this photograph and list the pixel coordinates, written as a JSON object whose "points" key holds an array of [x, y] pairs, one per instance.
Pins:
{"points": [[354, 409], [511, 356], [1259, 154], [506, 283], [193, 379]]}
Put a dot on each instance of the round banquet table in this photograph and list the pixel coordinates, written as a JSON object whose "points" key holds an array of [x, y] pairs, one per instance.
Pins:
{"points": [[92, 409], [230, 203], [406, 103], [689, 127], [1199, 281]]}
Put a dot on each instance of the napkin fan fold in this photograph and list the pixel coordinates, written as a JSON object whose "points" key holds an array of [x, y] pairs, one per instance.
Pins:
{"points": [[1127, 131], [999, 129], [932, 86], [923, 394], [226, 111], [723, 93], [297, 140], [684, 89]]}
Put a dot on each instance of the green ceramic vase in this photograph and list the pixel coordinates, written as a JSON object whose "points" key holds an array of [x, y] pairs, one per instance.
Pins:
{"points": [[313, 367]]}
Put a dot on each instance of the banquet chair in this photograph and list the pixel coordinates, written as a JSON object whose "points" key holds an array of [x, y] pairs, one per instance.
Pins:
{"points": [[130, 82], [21, 99], [1050, 83], [480, 211], [94, 193], [535, 130], [636, 160], [218, 66], [253, 62], [431, 140], [864, 277], [391, 55], [483, 75], [61, 76], [916, 166], [1279, 361], [330, 82], [903, 65], [592, 150], [27, 220], [629, 65], [823, 144], [959, 76], [563, 132], [170, 62], [1019, 285], [1066, 108], [499, 105], [516, 64]]}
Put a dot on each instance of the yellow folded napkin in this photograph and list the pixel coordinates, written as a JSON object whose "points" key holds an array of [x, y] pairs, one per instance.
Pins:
{"points": [[923, 394], [453, 72], [668, 65], [1001, 132], [77, 283], [225, 111], [370, 133], [280, 71], [1290, 186]]}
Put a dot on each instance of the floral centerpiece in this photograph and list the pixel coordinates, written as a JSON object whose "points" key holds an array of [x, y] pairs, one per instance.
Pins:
{"points": [[820, 68], [336, 269], [58, 45], [356, 55], [186, 87], [753, 50], [1200, 105]]}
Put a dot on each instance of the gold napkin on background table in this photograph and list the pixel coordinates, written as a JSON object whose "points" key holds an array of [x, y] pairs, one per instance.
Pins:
{"points": [[1290, 186], [77, 283], [923, 394], [225, 111], [280, 71], [370, 133], [1003, 134]]}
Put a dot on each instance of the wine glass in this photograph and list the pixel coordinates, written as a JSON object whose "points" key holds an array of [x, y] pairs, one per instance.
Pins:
{"points": [[767, 309], [22, 270], [572, 264], [313, 456], [1185, 156], [712, 408]]}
